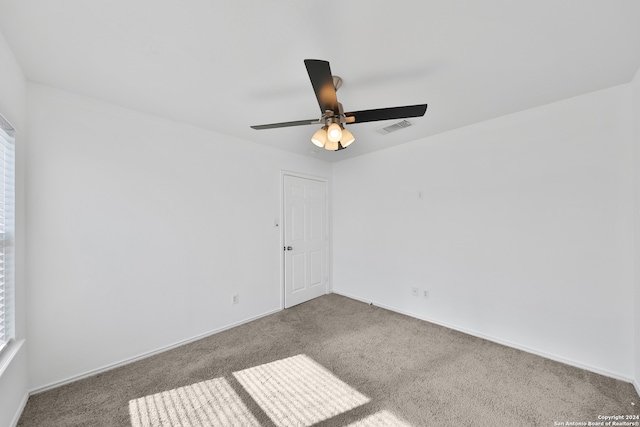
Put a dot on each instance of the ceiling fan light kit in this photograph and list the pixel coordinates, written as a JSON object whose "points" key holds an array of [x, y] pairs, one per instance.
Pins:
{"points": [[347, 138], [328, 136], [332, 146], [320, 137], [333, 136], [334, 133]]}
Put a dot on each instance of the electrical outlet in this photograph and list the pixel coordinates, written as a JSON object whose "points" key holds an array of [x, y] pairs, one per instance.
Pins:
{"points": [[425, 293], [414, 291], [236, 299]]}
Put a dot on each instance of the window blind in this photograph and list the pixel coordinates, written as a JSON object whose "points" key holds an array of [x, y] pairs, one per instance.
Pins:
{"points": [[7, 184]]}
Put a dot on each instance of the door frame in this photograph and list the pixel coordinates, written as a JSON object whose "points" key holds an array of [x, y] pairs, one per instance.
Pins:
{"points": [[327, 243]]}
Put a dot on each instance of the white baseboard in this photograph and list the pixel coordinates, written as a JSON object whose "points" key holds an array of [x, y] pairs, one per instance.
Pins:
{"points": [[111, 366], [498, 341], [637, 386], [18, 414], [8, 357]]}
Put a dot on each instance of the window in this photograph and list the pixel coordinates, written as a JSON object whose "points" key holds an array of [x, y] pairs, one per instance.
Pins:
{"points": [[7, 162]]}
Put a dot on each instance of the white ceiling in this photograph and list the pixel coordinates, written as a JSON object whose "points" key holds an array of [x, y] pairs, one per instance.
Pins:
{"points": [[225, 65]]}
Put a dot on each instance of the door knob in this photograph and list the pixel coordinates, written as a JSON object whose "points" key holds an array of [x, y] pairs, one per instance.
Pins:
{"points": [[289, 248]]}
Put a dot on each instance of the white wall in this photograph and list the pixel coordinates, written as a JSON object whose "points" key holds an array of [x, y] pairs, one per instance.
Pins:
{"points": [[635, 87], [140, 231], [13, 372], [522, 234]]}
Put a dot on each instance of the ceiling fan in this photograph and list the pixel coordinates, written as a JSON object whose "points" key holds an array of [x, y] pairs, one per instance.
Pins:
{"points": [[333, 136]]}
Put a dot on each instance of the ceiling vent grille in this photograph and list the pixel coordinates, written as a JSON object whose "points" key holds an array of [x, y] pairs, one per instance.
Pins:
{"points": [[394, 127]]}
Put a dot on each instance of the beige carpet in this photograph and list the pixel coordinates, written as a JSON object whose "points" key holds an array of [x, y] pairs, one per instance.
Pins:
{"points": [[336, 362]]}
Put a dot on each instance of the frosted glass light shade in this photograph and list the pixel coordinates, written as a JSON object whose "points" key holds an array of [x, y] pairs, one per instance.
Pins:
{"points": [[334, 133], [347, 138], [331, 145], [320, 137]]}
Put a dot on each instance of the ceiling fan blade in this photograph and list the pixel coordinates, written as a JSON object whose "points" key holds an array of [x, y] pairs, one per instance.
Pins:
{"points": [[322, 82], [386, 113], [287, 124]]}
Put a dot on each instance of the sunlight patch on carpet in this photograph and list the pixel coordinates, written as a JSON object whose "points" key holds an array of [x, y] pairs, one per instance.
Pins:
{"points": [[380, 419], [203, 404], [297, 391]]}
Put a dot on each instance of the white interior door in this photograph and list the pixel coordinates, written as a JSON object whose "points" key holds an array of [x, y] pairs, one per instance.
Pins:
{"points": [[305, 240]]}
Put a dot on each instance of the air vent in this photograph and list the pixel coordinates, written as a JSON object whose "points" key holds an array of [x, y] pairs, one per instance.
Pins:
{"points": [[394, 127]]}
